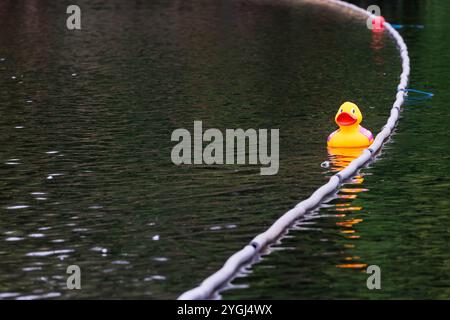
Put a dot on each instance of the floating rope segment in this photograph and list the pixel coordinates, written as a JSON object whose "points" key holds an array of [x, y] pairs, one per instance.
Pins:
{"points": [[245, 256]]}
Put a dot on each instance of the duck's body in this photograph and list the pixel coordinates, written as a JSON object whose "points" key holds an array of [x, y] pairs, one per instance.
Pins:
{"points": [[350, 138], [350, 134]]}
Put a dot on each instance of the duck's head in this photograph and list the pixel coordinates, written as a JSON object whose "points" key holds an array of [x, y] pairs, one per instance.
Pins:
{"points": [[348, 115]]}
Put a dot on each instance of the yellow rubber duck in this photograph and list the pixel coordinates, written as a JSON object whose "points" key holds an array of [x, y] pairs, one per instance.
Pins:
{"points": [[350, 134]]}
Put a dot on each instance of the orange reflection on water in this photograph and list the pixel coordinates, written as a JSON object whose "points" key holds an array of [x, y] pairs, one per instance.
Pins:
{"points": [[358, 179], [349, 223], [339, 159], [354, 190], [349, 209], [352, 265], [342, 204], [347, 196]]}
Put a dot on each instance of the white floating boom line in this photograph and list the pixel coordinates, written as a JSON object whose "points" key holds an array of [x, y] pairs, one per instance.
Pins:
{"points": [[245, 256]]}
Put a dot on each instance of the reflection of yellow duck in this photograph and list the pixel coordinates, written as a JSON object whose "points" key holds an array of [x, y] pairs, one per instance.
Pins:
{"points": [[350, 134], [348, 214], [341, 157]]}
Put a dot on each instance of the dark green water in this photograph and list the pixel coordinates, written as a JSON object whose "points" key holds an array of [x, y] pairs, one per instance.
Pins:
{"points": [[87, 179]]}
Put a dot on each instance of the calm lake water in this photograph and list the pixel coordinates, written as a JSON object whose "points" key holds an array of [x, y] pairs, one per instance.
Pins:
{"points": [[87, 179]]}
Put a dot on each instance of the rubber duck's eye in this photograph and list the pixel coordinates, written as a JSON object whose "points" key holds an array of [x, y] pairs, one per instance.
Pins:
{"points": [[353, 111], [342, 110]]}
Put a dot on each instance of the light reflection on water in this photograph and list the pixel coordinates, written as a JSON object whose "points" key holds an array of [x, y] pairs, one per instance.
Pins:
{"points": [[341, 158]]}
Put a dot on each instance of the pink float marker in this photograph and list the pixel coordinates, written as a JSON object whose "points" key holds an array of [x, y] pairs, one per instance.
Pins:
{"points": [[378, 24]]}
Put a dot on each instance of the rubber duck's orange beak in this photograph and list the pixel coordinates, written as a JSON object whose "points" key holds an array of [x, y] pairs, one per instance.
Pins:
{"points": [[346, 119]]}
